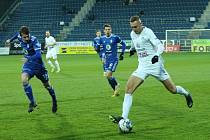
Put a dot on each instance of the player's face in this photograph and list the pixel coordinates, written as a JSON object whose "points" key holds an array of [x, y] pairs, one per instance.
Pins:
{"points": [[25, 37], [136, 26], [98, 34], [107, 31], [47, 34]]}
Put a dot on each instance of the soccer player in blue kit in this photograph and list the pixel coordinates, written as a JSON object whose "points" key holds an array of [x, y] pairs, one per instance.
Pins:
{"points": [[109, 56], [98, 49], [33, 66], [96, 40]]}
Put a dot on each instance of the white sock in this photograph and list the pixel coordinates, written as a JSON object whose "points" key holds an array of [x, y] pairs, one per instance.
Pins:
{"points": [[57, 65], [50, 63], [127, 103], [180, 90]]}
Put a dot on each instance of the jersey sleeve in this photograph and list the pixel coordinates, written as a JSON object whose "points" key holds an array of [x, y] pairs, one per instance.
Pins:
{"points": [[97, 44], [36, 44], [119, 40], [15, 36], [94, 43], [132, 46], [53, 40], [37, 49], [156, 42]]}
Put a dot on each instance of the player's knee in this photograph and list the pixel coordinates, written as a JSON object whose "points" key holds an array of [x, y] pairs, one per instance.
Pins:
{"points": [[108, 75], [25, 82], [129, 89], [172, 89], [47, 85]]}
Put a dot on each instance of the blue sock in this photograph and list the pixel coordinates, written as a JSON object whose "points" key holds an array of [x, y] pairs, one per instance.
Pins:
{"points": [[28, 91], [112, 82], [52, 93]]}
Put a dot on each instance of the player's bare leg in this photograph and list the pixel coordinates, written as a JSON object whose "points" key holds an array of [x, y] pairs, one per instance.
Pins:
{"points": [[51, 65], [178, 90], [58, 69], [132, 84]]}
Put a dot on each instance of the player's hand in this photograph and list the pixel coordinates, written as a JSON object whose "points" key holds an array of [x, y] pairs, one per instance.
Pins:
{"points": [[121, 57], [132, 52], [154, 59], [7, 43]]}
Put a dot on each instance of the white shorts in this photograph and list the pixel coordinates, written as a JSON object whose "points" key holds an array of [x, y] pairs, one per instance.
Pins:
{"points": [[51, 53], [156, 70]]}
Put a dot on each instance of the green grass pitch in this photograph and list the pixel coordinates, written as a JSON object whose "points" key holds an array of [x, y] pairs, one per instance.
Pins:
{"points": [[84, 101]]}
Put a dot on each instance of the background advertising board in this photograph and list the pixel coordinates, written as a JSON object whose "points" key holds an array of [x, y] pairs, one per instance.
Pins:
{"points": [[82, 47], [172, 48], [200, 45], [79, 47], [4, 50]]}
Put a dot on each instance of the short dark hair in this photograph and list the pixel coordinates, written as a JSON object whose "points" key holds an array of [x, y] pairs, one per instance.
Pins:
{"points": [[98, 30], [134, 18], [24, 30], [107, 25]]}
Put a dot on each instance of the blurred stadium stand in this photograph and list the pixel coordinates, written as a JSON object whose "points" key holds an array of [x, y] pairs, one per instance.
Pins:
{"points": [[159, 15], [5, 4], [40, 15]]}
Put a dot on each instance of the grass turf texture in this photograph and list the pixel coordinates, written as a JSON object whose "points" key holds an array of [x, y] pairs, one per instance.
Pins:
{"points": [[84, 101]]}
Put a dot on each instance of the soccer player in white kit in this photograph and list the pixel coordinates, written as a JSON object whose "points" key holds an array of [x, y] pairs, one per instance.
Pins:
{"points": [[149, 49], [51, 52]]}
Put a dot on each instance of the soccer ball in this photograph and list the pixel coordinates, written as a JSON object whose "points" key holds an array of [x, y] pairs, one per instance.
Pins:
{"points": [[125, 125]]}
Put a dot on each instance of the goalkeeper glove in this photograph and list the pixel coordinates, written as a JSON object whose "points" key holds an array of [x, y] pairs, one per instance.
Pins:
{"points": [[132, 52], [154, 59], [121, 57]]}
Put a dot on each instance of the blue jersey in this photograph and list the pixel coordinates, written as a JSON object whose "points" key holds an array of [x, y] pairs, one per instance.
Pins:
{"points": [[34, 64], [31, 49], [99, 49], [109, 45]]}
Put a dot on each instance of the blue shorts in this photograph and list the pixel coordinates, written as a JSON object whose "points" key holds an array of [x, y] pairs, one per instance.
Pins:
{"points": [[39, 71], [111, 65]]}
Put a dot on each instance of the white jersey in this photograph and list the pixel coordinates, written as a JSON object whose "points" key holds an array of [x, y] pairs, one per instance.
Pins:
{"points": [[51, 52], [49, 40], [147, 45]]}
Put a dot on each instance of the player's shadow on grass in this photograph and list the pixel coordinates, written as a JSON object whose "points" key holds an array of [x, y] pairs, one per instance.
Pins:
{"points": [[56, 125]]}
